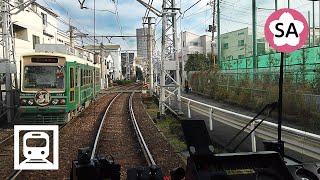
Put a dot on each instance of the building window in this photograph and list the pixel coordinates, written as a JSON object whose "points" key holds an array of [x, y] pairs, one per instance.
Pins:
{"points": [[35, 40], [240, 56], [194, 43], [241, 33], [44, 19], [183, 44], [225, 45], [240, 43]]}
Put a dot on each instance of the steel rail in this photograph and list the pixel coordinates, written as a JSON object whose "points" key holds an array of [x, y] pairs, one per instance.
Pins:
{"points": [[96, 141], [142, 142], [16, 173], [6, 139]]}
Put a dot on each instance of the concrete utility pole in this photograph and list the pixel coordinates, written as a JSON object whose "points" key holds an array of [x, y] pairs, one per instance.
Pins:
{"points": [[102, 66], [212, 31], [127, 66], [149, 44], [254, 36], [219, 38], [313, 25], [71, 32]]}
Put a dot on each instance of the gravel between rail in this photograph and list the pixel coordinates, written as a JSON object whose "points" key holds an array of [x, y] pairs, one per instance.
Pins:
{"points": [[117, 138], [162, 152]]}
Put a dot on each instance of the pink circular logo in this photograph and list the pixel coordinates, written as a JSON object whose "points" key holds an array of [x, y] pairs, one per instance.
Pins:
{"points": [[286, 30]]}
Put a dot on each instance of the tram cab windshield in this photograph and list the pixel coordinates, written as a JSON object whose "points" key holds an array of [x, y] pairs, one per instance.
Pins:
{"points": [[43, 77], [43, 72]]}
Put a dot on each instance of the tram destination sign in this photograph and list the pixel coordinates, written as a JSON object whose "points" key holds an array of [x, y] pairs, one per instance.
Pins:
{"points": [[44, 60]]}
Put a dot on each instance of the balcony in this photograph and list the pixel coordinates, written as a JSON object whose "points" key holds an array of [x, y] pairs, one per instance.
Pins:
{"points": [[194, 49]]}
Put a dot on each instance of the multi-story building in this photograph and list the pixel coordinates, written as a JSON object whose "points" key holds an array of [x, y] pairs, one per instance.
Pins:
{"points": [[142, 34], [193, 43], [131, 64], [33, 25], [111, 58], [238, 44], [114, 51]]}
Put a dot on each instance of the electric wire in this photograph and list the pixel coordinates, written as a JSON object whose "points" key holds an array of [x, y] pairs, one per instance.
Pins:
{"points": [[71, 16]]}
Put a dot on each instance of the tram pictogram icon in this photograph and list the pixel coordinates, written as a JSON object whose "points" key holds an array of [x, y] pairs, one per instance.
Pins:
{"points": [[35, 147]]}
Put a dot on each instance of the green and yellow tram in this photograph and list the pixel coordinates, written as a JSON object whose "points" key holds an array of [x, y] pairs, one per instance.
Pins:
{"points": [[55, 87]]}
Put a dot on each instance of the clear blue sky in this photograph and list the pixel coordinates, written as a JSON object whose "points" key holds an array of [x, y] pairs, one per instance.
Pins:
{"points": [[235, 14]]}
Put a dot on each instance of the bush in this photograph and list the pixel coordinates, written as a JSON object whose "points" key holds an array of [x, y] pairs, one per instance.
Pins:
{"points": [[121, 82], [175, 128]]}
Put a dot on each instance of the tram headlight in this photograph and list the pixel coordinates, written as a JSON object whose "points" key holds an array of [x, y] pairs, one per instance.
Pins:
{"points": [[30, 102], [62, 101], [23, 102], [55, 101]]}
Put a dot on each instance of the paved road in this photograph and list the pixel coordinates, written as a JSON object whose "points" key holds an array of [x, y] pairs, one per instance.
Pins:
{"points": [[221, 133]]}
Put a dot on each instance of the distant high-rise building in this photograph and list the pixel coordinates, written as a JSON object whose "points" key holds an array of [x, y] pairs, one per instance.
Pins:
{"points": [[142, 34]]}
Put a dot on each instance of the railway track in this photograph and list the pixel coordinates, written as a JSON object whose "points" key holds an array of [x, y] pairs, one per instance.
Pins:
{"points": [[115, 136], [66, 129], [147, 148], [110, 132]]}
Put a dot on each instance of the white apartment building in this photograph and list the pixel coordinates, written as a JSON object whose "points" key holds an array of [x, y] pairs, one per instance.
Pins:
{"points": [[34, 25], [193, 43], [115, 69]]}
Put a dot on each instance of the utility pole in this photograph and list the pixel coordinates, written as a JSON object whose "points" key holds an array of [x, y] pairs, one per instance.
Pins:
{"points": [[313, 25], [127, 66], [309, 28], [219, 38], [102, 66], [254, 34], [149, 44], [212, 31], [71, 32]]}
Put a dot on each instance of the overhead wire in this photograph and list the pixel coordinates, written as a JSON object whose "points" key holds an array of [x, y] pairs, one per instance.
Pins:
{"points": [[71, 16], [118, 22]]}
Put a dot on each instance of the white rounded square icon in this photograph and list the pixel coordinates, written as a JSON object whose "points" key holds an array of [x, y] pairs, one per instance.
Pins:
{"points": [[35, 156]]}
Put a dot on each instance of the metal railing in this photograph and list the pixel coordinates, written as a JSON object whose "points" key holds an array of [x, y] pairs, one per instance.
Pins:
{"points": [[297, 140]]}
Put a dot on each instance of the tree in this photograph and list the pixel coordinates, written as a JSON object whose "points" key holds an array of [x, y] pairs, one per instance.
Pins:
{"points": [[196, 62], [139, 74]]}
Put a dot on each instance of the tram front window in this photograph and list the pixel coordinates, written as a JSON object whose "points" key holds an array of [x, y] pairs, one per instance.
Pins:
{"points": [[51, 77]]}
